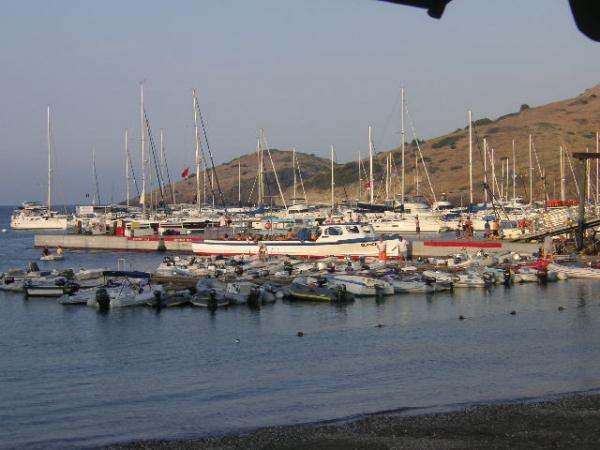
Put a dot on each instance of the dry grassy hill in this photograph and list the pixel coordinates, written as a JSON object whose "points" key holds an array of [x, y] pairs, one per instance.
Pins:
{"points": [[571, 123]]}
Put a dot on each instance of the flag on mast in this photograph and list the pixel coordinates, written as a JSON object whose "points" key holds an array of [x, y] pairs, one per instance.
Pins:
{"points": [[185, 172]]}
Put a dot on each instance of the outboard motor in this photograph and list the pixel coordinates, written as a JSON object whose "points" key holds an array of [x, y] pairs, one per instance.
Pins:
{"points": [[253, 298], [158, 298], [212, 299], [67, 273], [340, 293], [60, 281], [103, 299], [33, 267], [507, 278], [287, 266]]}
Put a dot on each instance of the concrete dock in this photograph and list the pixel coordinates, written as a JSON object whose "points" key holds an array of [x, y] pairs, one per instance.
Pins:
{"points": [[423, 248]]}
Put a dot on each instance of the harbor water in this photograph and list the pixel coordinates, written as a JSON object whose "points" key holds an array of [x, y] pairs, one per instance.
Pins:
{"points": [[72, 377]]}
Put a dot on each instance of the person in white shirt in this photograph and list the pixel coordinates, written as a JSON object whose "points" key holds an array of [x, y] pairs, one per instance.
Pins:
{"points": [[402, 249]]}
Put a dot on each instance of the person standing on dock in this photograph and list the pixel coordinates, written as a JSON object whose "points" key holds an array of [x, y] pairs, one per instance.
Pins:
{"points": [[486, 229], [382, 249], [402, 249], [417, 226]]}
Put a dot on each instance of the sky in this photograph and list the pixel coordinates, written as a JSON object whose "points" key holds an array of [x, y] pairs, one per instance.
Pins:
{"points": [[312, 73]]}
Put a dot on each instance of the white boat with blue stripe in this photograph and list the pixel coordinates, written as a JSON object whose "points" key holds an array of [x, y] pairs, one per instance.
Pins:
{"points": [[348, 240]]}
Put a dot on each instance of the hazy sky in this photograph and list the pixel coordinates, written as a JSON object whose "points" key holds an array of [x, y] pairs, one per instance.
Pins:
{"points": [[311, 72]]}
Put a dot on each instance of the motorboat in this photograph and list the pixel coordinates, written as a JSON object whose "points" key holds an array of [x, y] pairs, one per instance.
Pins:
{"points": [[134, 289], [573, 271], [339, 240]]}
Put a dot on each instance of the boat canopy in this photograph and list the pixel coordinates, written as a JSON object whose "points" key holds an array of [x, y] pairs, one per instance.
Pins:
{"points": [[126, 274]]}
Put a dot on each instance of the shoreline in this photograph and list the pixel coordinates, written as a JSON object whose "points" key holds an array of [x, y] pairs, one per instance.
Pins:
{"points": [[559, 421]]}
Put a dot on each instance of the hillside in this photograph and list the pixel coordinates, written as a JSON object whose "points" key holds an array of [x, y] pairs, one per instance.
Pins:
{"points": [[571, 123]]}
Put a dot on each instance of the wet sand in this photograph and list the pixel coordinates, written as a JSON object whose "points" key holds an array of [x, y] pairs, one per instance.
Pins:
{"points": [[571, 421]]}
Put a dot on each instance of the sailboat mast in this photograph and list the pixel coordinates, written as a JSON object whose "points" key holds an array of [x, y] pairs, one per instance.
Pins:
{"points": [[359, 177], [197, 154], [294, 169], [387, 177], [507, 179], [403, 138], [332, 183], [95, 197], [417, 175], [588, 176], [493, 174], [371, 184], [514, 174], [530, 171], [597, 168], [143, 149], [562, 174], [240, 182], [126, 170], [485, 178], [49, 200], [470, 160]]}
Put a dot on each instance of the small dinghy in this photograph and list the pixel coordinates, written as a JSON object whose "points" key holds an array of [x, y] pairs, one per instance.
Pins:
{"points": [[210, 293], [360, 285], [55, 288], [52, 257], [316, 289], [170, 297]]}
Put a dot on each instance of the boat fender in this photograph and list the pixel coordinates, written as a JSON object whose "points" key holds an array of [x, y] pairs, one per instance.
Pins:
{"points": [[268, 225]]}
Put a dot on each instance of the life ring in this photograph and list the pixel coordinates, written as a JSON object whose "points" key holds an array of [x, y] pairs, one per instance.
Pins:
{"points": [[268, 225]]}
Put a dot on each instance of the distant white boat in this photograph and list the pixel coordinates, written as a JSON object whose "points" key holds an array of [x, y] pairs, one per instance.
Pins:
{"points": [[34, 215]]}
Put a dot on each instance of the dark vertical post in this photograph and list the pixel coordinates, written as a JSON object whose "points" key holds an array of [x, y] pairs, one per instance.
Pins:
{"points": [[581, 210]]}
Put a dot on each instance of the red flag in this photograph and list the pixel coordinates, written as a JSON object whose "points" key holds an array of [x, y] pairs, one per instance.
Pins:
{"points": [[185, 172]]}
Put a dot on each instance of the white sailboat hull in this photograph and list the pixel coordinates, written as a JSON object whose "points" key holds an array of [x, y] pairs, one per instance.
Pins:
{"points": [[39, 223]]}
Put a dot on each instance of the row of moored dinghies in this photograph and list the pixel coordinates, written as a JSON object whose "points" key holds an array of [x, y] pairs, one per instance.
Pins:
{"points": [[216, 282]]}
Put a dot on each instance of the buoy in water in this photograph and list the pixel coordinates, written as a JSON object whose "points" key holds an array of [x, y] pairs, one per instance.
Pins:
{"points": [[300, 334], [561, 308], [513, 313], [461, 317], [4, 230]]}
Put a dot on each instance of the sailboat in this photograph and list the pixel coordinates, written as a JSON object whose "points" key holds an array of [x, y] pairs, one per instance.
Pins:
{"points": [[35, 215]]}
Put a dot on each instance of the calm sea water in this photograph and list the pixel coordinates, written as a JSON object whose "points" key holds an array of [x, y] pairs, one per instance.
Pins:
{"points": [[71, 377]]}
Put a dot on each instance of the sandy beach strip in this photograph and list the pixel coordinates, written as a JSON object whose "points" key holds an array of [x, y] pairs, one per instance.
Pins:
{"points": [[571, 421]]}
